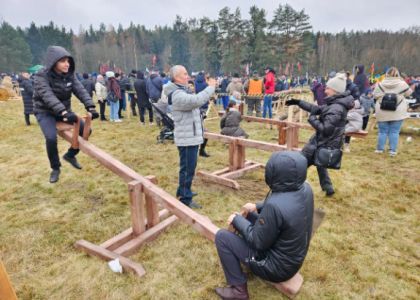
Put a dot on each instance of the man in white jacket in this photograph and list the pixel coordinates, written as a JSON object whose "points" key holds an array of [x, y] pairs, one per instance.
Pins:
{"points": [[188, 131]]}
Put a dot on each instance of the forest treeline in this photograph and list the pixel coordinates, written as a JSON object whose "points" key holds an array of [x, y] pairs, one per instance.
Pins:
{"points": [[230, 43]]}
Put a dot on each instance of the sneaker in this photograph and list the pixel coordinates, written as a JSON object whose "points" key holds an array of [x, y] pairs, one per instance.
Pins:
{"points": [[379, 151], [151, 124], [346, 148], [329, 191], [392, 153], [194, 205], [118, 121], [142, 124], [73, 161], [55, 175]]}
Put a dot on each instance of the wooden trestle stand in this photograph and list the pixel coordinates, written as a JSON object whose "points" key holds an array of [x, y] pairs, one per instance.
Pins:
{"points": [[145, 197]]}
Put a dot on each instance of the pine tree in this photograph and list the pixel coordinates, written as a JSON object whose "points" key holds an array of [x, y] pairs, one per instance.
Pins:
{"points": [[180, 46], [15, 54]]}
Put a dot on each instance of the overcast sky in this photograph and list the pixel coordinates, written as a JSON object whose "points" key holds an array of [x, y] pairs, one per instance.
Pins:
{"points": [[325, 15]]}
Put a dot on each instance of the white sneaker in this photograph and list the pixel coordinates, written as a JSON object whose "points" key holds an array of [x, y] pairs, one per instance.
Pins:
{"points": [[379, 151], [347, 148], [118, 121], [392, 153]]}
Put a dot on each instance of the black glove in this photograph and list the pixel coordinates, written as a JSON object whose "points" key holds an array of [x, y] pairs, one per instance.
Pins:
{"points": [[314, 110], [292, 102], [70, 117], [94, 113]]}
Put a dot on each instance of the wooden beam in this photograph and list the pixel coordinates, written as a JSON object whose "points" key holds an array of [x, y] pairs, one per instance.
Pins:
{"points": [[94, 250], [183, 212], [6, 289], [240, 172], [218, 179], [86, 128], [133, 245], [137, 207], [359, 134]]}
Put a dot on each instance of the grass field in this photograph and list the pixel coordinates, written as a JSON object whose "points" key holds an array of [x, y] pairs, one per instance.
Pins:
{"points": [[367, 247]]}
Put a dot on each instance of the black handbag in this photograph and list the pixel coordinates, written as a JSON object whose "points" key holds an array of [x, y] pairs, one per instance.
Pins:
{"points": [[328, 158]]}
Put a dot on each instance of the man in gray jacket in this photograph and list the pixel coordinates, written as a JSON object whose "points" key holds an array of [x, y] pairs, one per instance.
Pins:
{"points": [[188, 131]]}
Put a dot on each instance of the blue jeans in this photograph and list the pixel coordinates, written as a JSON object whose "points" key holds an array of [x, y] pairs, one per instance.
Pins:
{"points": [[225, 101], [268, 100], [390, 130], [187, 163], [115, 106]]}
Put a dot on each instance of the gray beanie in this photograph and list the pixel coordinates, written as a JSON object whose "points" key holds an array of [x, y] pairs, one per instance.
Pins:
{"points": [[338, 83]]}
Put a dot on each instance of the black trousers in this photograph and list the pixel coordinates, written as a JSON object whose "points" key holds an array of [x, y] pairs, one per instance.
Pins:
{"points": [[365, 122], [47, 122], [233, 250], [102, 106], [143, 112], [324, 177], [27, 120]]}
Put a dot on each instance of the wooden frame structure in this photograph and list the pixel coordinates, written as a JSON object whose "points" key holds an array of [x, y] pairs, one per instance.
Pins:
{"points": [[145, 197], [6, 288], [238, 165]]}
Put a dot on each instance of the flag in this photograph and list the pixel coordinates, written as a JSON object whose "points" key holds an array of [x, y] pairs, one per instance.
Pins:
{"points": [[299, 66], [154, 58], [372, 71], [280, 69], [247, 69], [286, 71]]}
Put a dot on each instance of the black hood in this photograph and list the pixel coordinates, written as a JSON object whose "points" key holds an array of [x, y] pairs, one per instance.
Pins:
{"points": [[285, 171], [360, 69], [345, 99], [54, 54]]}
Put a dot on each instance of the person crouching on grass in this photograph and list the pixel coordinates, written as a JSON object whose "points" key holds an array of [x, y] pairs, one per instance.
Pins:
{"points": [[274, 236], [53, 87]]}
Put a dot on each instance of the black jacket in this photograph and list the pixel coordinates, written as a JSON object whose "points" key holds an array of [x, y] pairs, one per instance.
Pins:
{"points": [[279, 239], [52, 91], [361, 79], [329, 121], [142, 96], [26, 89], [89, 86]]}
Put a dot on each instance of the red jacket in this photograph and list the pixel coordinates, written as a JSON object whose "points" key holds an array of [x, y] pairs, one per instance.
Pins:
{"points": [[270, 83]]}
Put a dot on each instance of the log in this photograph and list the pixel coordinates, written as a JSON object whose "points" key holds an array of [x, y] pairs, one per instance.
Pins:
{"points": [[240, 172], [94, 250], [218, 179]]}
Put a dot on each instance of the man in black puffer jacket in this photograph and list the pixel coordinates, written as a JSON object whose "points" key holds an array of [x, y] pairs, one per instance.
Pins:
{"points": [[275, 235], [53, 87], [329, 121]]}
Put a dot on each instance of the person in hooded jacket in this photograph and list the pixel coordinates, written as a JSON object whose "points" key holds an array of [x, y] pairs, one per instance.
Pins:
{"points": [[53, 88], [390, 122], [230, 122], [101, 93], [274, 236], [88, 84], [329, 122], [26, 89], [143, 98], [354, 123], [361, 79], [154, 86]]}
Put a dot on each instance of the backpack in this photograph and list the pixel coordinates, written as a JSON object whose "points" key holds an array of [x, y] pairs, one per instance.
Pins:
{"points": [[111, 97], [390, 100]]}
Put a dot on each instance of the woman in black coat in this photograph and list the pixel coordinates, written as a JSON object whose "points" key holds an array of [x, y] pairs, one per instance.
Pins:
{"points": [[26, 90], [143, 97]]}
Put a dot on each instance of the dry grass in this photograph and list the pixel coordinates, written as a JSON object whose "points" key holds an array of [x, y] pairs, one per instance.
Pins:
{"points": [[367, 247]]}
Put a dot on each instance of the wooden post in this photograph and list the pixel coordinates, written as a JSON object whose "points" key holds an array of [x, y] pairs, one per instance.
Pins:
{"points": [[232, 155], [282, 133], [240, 156], [152, 209], [86, 129], [137, 207], [292, 137], [6, 289]]}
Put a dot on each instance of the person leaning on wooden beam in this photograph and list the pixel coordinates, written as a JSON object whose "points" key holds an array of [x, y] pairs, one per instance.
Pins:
{"points": [[53, 87]]}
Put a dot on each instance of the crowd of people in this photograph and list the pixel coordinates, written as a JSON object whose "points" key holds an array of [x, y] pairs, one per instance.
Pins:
{"points": [[274, 235]]}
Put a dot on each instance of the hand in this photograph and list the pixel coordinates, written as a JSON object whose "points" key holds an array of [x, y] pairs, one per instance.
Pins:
{"points": [[250, 207], [314, 110], [212, 82], [94, 113], [231, 217], [292, 102], [70, 117]]}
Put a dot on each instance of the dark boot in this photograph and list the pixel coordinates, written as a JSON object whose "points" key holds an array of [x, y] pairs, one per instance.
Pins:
{"points": [[203, 149], [55, 175], [238, 292], [72, 160], [329, 191]]}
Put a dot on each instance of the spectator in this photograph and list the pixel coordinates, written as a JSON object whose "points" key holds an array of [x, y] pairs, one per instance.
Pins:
{"points": [[143, 98], [26, 89], [101, 93]]}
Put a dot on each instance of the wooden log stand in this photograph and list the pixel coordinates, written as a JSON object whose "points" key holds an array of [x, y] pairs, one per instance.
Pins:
{"points": [[6, 289], [147, 221], [238, 165]]}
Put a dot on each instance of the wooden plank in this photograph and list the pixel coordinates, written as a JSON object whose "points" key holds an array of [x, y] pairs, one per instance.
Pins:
{"points": [[6, 289], [75, 137], [282, 133], [137, 207], [219, 137], [183, 212], [221, 171], [86, 128], [133, 245], [152, 209], [261, 145], [218, 179], [118, 240], [126, 235], [359, 134], [94, 250], [240, 172]]}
